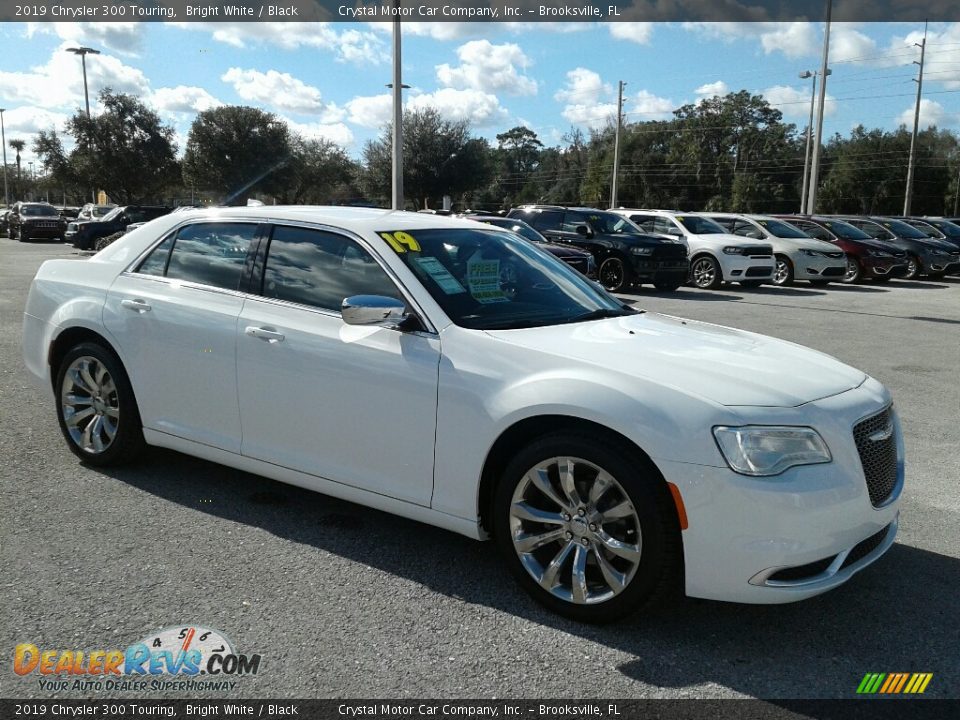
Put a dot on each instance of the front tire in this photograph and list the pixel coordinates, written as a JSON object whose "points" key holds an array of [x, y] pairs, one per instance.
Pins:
{"points": [[96, 407], [587, 527], [914, 268], [854, 272], [614, 275], [705, 273], [783, 272]]}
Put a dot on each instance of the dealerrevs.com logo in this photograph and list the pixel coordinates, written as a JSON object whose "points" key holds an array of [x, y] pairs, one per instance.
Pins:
{"points": [[188, 658]]}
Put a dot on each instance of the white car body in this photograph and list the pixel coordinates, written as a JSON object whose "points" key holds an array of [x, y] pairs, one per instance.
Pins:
{"points": [[812, 259], [405, 421], [757, 266]]}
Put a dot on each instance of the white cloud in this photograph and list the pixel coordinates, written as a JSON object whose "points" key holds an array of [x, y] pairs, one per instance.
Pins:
{"points": [[650, 107], [709, 90], [477, 107], [638, 32], [182, 99], [281, 91], [123, 37], [348, 45], [490, 68], [438, 30], [372, 111], [29, 120], [59, 82], [795, 103], [587, 99], [793, 39], [848, 44], [931, 113], [336, 132]]}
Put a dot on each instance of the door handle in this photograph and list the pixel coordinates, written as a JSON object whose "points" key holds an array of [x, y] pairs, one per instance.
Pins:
{"points": [[140, 306], [271, 336]]}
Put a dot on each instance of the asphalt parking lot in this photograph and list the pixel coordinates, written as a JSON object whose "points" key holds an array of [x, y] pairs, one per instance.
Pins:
{"points": [[342, 601]]}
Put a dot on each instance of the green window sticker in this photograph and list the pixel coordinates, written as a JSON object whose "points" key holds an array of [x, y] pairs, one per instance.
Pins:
{"points": [[435, 269], [483, 277]]}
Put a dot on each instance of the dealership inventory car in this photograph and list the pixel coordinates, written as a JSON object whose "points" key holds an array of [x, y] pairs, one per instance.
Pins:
{"points": [[716, 256], [455, 374], [925, 256], [84, 235], [938, 228], [866, 258], [580, 260], [92, 211], [798, 256], [625, 256], [35, 220]]}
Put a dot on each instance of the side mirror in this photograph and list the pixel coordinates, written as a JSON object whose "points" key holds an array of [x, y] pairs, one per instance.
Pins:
{"points": [[372, 310], [583, 230]]}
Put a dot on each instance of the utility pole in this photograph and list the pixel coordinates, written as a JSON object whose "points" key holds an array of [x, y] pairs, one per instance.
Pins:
{"points": [[815, 162], [616, 146], [397, 118], [3, 139], [908, 195]]}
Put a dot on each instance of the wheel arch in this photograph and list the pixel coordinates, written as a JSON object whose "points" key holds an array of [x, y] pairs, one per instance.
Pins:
{"points": [[71, 337], [526, 430]]}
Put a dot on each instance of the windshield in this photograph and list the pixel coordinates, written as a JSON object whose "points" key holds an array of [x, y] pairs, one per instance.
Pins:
{"points": [[494, 280], [39, 211], [604, 223], [781, 229], [696, 225], [102, 210], [517, 226], [898, 227], [112, 214], [845, 230], [949, 229]]}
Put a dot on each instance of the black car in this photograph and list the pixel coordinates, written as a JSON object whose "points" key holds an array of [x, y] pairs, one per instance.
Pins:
{"points": [[580, 260], [625, 256], [33, 220], [925, 256], [937, 228], [84, 235]]}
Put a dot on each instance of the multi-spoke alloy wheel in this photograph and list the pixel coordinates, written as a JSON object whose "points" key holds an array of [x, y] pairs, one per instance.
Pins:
{"points": [[705, 273], [575, 530], [96, 409], [587, 526], [613, 274], [853, 272], [89, 403]]}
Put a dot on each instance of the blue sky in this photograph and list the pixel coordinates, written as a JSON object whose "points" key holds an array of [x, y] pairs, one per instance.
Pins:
{"points": [[329, 79]]}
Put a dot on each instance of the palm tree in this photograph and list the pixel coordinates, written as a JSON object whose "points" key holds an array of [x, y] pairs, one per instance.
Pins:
{"points": [[18, 145]]}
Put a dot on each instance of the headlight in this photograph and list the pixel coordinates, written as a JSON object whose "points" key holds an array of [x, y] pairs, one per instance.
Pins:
{"points": [[764, 450], [810, 253], [879, 253], [642, 250], [733, 250]]}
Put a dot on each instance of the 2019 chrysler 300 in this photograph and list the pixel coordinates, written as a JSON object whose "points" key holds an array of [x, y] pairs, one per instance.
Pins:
{"points": [[455, 374]]}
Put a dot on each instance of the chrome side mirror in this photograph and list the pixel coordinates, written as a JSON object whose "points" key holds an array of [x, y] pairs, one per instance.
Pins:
{"points": [[372, 310]]}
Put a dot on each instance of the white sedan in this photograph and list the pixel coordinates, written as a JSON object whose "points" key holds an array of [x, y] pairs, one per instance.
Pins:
{"points": [[454, 374]]}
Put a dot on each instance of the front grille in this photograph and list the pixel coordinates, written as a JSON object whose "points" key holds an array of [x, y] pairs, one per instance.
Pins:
{"points": [[865, 547], [834, 255], [759, 271], [833, 271], [878, 454], [670, 251], [758, 250], [43, 223]]}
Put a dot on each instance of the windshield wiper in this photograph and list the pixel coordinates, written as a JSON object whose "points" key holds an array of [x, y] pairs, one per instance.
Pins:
{"points": [[603, 313]]}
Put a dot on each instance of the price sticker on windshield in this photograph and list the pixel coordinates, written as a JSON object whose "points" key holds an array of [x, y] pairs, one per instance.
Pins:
{"points": [[401, 242]]}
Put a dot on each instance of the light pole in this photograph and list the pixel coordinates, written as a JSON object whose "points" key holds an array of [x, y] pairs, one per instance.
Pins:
{"points": [[815, 161], [3, 141], [83, 52], [397, 85], [32, 179], [806, 156]]}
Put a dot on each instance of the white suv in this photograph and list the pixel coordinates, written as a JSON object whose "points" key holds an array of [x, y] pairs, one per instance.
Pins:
{"points": [[798, 256], [715, 255]]}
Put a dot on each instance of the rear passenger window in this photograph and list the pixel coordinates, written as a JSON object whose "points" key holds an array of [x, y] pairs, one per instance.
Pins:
{"points": [[156, 261], [546, 219], [209, 253], [320, 269]]}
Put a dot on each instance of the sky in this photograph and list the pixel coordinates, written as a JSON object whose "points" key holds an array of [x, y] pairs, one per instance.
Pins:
{"points": [[329, 80]]}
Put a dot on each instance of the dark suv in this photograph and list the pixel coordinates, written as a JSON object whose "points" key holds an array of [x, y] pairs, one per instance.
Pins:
{"points": [[925, 256], [28, 220], [866, 258], [84, 235], [625, 256], [579, 260]]}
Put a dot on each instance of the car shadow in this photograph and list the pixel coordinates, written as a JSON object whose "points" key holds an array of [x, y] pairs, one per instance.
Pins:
{"points": [[783, 291], [687, 293], [922, 284], [896, 616], [834, 287]]}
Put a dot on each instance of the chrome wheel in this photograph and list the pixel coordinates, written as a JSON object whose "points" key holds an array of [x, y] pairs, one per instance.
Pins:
{"points": [[853, 271], [782, 274], [913, 268], [704, 273], [90, 405], [575, 530]]}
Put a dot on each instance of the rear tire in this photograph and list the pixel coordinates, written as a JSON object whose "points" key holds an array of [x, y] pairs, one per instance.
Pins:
{"points": [[556, 536], [96, 408]]}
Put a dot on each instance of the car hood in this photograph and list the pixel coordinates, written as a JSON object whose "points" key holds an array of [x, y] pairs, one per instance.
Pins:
{"points": [[728, 366], [561, 251], [804, 244], [726, 239]]}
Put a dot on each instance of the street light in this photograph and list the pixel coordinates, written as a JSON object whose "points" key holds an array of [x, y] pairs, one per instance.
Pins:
{"points": [[806, 160], [83, 52], [3, 141]]}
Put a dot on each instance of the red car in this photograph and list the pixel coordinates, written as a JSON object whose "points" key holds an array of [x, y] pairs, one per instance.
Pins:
{"points": [[866, 257]]}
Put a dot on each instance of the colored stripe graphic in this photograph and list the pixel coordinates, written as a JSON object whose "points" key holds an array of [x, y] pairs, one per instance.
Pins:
{"points": [[894, 683]]}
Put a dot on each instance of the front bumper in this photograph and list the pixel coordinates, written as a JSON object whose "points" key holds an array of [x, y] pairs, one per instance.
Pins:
{"points": [[661, 272], [744, 532], [884, 268], [41, 231], [737, 268], [807, 267]]}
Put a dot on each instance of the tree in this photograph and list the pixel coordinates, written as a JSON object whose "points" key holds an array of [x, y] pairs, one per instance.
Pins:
{"points": [[318, 172], [439, 158], [237, 151], [60, 171], [18, 145], [125, 150]]}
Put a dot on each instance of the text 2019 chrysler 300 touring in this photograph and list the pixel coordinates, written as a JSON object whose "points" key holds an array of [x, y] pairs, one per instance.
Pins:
{"points": [[456, 374]]}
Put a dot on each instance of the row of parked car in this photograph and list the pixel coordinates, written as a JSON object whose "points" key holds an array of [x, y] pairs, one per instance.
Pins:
{"points": [[628, 247], [82, 227]]}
